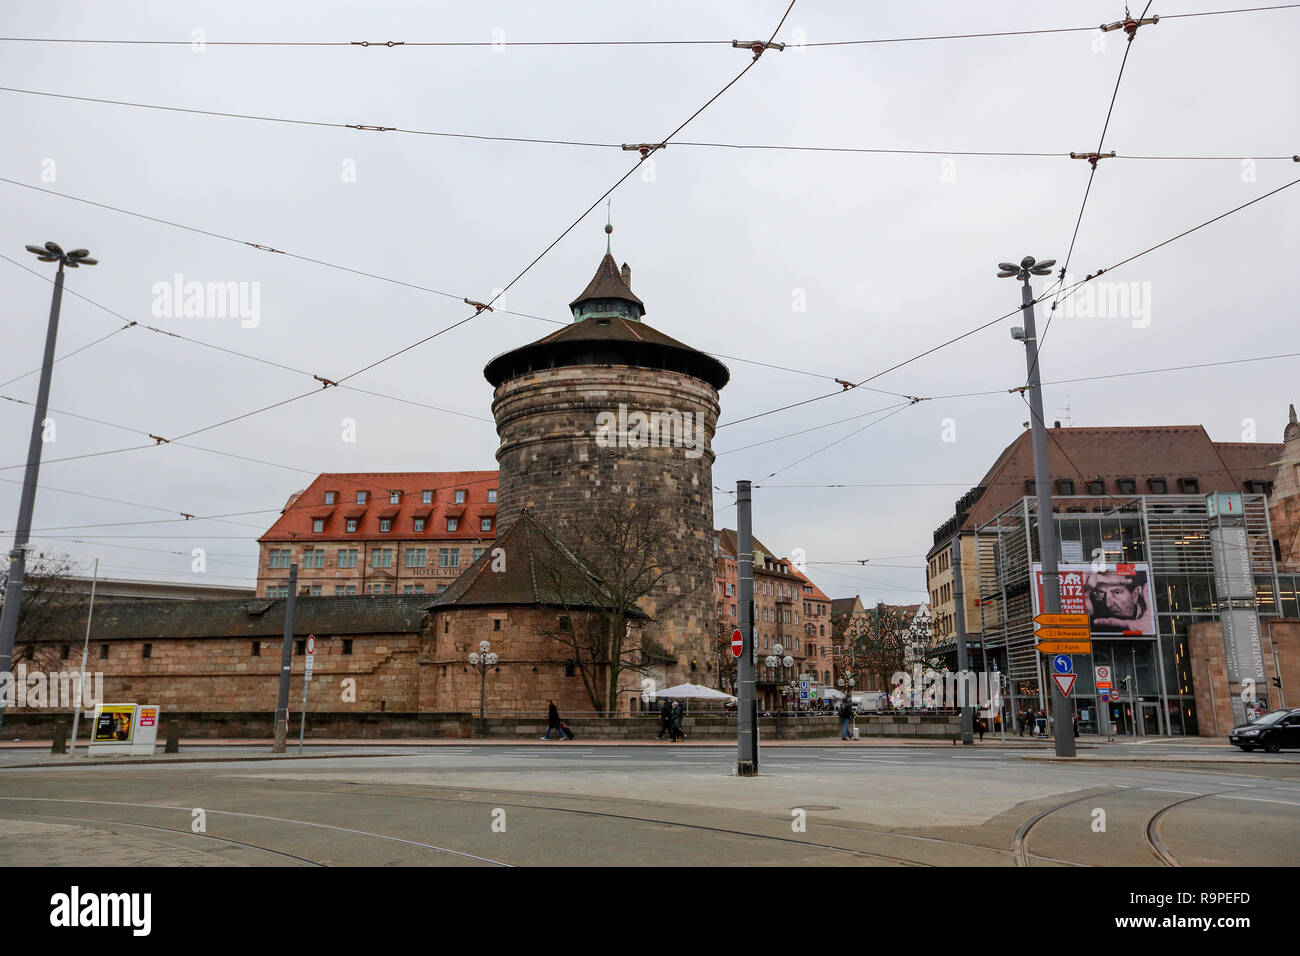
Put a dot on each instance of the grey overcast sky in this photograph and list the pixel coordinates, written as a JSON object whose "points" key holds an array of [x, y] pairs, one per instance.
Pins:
{"points": [[838, 264]]}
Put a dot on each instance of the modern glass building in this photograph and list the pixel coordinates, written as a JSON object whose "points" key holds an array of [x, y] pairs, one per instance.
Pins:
{"points": [[1163, 542]]}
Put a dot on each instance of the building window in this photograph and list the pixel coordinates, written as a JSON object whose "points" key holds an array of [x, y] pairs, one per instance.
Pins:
{"points": [[278, 558], [381, 589], [361, 497], [1127, 486], [146, 651], [329, 497], [347, 557], [1192, 486], [441, 588], [257, 648], [343, 589], [413, 589], [394, 497], [417, 525], [496, 623], [485, 524], [317, 525], [381, 558], [352, 525], [416, 557], [64, 651], [274, 591], [426, 497], [1158, 485], [1096, 487], [460, 497], [299, 648], [452, 524], [316, 590], [385, 525], [449, 557], [1064, 486], [347, 645], [492, 496], [313, 558], [478, 553], [103, 652]]}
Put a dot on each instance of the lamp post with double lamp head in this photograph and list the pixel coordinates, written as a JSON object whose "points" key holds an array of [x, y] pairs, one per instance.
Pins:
{"points": [[50, 252], [1063, 730], [778, 664], [483, 660]]}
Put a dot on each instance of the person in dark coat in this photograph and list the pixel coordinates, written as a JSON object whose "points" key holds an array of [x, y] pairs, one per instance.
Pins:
{"points": [[846, 718], [553, 721], [1022, 716], [1042, 723], [675, 721], [665, 718], [1030, 722], [981, 725]]}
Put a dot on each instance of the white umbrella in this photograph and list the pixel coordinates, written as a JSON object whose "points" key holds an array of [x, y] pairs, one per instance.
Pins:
{"points": [[692, 692]]}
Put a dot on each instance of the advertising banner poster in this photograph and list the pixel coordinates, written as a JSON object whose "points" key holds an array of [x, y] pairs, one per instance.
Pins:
{"points": [[113, 724], [1116, 597]]}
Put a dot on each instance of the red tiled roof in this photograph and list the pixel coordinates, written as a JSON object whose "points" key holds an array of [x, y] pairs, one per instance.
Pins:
{"points": [[817, 593], [295, 522]]}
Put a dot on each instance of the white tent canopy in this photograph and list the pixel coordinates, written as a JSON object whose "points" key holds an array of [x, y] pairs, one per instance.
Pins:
{"points": [[830, 693], [692, 692]]}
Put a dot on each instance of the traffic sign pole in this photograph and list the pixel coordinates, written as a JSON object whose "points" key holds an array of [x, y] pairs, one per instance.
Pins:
{"points": [[747, 706], [306, 682]]}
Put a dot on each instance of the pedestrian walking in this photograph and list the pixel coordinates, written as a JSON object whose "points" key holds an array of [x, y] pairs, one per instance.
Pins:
{"points": [[675, 722], [1076, 724], [1042, 723], [665, 715], [846, 718], [553, 722], [981, 725], [997, 722], [1030, 722]]}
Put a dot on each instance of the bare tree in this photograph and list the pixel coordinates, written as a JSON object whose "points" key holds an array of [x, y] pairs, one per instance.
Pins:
{"points": [[620, 577], [49, 605]]}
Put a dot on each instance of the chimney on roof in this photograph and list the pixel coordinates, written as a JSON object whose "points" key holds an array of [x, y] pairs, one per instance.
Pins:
{"points": [[627, 275]]}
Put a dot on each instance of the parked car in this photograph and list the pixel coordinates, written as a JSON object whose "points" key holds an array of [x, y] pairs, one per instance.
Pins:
{"points": [[1272, 731]]}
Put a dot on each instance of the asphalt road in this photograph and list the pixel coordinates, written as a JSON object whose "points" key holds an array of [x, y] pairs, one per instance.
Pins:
{"points": [[569, 804]]}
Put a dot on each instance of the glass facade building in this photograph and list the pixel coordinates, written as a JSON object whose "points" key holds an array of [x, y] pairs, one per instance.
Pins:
{"points": [[1169, 534]]}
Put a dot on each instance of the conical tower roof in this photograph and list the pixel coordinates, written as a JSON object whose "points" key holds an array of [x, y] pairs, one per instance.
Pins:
{"points": [[607, 284]]}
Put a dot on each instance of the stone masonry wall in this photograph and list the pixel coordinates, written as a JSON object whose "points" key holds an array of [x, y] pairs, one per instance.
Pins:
{"points": [[550, 464]]}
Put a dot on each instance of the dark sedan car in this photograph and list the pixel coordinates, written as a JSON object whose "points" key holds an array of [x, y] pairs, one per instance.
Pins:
{"points": [[1272, 731]]}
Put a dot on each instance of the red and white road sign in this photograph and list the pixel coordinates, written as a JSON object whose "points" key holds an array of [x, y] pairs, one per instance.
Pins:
{"points": [[737, 642], [311, 644], [1065, 682]]}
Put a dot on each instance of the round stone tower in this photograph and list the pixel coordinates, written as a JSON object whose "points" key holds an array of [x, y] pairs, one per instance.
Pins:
{"points": [[609, 410]]}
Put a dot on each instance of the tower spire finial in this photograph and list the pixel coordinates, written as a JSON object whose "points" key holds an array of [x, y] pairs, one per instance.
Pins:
{"points": [[609, 228]]}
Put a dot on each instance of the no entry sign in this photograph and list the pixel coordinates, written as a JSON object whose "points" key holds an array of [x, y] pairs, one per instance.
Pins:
{"points": [[737, 642]]}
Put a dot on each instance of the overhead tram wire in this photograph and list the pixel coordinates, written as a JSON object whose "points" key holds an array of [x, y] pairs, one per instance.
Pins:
{"points": [[485, 44], [556, 241], [490, 302], [1087, 191], [590, 144], [173, 334], [1066, 290]]}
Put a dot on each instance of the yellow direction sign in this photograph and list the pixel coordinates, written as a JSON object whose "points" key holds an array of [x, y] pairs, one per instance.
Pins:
{"points": [[1065, 647], [1064, 634], [1062, 620]]}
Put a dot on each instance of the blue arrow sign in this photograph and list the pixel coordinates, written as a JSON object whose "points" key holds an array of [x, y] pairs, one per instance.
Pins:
{"points": [[1063, 664]]}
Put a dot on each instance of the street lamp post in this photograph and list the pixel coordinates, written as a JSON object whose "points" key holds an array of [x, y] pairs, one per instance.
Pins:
{"points": [[1064, 728], [483, 660], [50, 252]]}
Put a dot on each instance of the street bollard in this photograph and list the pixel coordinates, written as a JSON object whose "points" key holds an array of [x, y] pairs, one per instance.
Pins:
{"points": [[60, 743], [173, 738]]}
